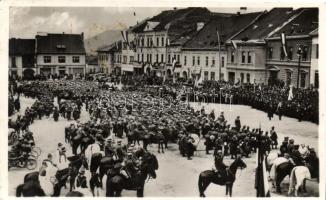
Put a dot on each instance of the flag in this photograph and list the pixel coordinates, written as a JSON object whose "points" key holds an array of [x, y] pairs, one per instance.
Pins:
{"points": [[290, 93], [174, 61], [125, 36], [234, 44], [283, 40]]}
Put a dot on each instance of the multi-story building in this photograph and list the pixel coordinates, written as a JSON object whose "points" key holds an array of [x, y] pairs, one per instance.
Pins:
{"points": [[92, 65], [22, 57], [314, 74], [246, 60], [201, 53], [159, 39], [60, 54], [295, 67], [105, 57]]}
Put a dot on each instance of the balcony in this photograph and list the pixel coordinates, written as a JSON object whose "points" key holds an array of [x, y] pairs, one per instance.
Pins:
{"points": [[287, 62]]}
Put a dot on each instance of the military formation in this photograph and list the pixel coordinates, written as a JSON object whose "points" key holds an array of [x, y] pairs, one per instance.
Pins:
{"points": [[125, 124]]}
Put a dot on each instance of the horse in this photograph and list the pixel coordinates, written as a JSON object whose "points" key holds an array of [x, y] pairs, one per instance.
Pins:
{"points": [[95, 183], [76, 162], [297, 179], [61, 180], [209, 176], [106, 164], [282, 171], [31, 186], [117, 183]]}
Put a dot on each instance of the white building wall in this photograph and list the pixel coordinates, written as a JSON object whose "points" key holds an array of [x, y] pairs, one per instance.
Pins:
{"points": [[212, 55], [69, 66], [314, 60]]}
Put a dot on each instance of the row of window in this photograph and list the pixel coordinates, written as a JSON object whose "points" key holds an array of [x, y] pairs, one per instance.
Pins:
{"points": [[149, 42], [290, 52], [246, 57], [160, 58], [206, 73], [61, 59]]}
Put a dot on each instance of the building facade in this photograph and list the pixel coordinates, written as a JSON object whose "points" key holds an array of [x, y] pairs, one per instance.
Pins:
{"points": [[21, 57], [314, 74], [60, 54], [246, 64], [293, 69]]}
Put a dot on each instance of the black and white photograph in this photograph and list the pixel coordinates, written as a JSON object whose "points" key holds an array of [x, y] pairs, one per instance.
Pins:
{"points": [[166, 101]]}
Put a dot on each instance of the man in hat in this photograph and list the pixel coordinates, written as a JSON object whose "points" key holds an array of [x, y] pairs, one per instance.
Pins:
{"points": [[312, 162], [219, 165], [237, 123], [120, 151], [209, 143], [131, 166], [273, 138], [108, 148]]}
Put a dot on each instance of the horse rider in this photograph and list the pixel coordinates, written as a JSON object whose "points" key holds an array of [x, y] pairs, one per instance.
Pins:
{"points": [[131, 166], [108, 148], [219, 165]]}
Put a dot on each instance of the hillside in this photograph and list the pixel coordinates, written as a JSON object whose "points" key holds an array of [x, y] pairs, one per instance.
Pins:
{"points": [[101, 39]]}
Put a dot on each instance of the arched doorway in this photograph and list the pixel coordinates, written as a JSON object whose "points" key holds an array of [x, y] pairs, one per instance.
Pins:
{"points": [[28, 74], [184, 74]]}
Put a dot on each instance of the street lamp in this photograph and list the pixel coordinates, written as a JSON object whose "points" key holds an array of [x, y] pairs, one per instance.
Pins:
{"points": [[299, 53]]}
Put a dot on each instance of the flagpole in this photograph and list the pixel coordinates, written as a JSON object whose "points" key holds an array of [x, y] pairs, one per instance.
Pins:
{"points": [[219, 55]]}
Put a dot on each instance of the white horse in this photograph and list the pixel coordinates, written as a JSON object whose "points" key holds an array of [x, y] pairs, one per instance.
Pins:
{"points": [[297, 177], [275, 164]]}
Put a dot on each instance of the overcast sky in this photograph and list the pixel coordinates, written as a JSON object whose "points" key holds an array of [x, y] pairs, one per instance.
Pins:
{"points": [[25, 22]]}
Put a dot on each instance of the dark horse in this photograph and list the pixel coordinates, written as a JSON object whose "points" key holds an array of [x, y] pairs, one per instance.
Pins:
{"points": [[282, 171], [117, 183], [209, 176], [31, 186]]}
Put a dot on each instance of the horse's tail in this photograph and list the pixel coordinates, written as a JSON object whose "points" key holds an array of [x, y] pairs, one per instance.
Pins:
{"points": [[292, 180], [19, 190], [200, 184]]}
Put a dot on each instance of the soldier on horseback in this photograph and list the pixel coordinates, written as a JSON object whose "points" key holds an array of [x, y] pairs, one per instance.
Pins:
{"points": [[131, 166], [219, 165]]}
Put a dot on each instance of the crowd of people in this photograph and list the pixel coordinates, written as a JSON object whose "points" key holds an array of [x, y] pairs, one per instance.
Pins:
{"points": [[158, 114]]}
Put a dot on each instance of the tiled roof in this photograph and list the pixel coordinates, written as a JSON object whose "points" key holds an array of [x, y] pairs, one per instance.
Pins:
{"points": [[21, 46], [303, 24], [266, 23], [226, 26], [177, 20], [60, 44]]}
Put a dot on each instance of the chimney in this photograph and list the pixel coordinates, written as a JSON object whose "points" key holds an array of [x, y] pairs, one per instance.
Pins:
{"points": [[200, 25], [82, 35]]}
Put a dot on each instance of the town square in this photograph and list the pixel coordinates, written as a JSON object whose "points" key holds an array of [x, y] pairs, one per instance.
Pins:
{"points": [[177, 102]]}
